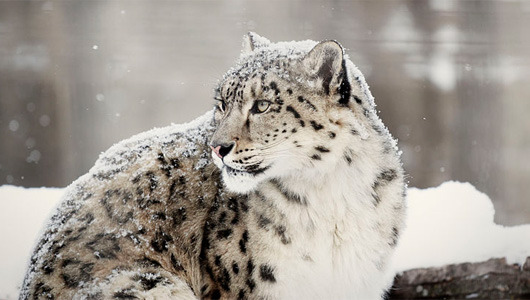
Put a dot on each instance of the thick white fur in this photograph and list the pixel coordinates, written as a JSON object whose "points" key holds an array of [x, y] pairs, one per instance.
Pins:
{"points": [[338, 230]]}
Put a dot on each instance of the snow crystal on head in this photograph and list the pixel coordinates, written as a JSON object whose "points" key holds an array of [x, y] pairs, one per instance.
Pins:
{"points": [[262, 56]]}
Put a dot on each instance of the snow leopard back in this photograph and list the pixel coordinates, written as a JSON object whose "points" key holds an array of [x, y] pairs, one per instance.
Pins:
{"points": [[134, 223]]}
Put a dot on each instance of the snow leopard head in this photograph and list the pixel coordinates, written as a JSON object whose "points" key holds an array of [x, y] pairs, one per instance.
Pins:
{"points": [[283, 109]]}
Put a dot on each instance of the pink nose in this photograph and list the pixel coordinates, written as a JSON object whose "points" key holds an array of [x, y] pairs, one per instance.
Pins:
{"points": [[216, 151]]}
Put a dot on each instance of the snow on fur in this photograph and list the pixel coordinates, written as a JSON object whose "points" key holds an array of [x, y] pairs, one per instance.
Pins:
{"points": [[119, 157]]}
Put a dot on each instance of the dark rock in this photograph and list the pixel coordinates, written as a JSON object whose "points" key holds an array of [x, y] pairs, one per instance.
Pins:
{"points": [[492, 279]]}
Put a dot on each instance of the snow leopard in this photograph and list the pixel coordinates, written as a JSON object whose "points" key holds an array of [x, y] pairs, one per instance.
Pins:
{"points": [[290, 187]]}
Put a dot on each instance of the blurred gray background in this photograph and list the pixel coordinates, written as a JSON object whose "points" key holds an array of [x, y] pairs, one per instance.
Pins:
{"points": [[451, 79]]}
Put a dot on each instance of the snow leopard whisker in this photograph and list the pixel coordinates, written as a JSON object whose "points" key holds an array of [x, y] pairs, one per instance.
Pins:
{"points": [[272, 145]]}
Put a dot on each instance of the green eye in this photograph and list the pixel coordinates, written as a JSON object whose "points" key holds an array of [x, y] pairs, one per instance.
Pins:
{"points": [[260, 106]]}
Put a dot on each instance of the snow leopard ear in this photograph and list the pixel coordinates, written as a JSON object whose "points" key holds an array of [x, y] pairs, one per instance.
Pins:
{"points": [[325, 62], [253, 41]]}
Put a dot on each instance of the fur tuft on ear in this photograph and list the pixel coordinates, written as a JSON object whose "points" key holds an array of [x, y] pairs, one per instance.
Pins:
{"points": [[252, 41], [325, 61]]}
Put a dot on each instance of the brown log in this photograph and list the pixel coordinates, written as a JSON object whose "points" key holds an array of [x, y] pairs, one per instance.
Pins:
{"points": [[492, 279]]}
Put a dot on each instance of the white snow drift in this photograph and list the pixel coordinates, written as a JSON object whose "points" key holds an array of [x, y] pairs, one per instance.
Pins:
{"points": [[453, 223], [23, 213]]}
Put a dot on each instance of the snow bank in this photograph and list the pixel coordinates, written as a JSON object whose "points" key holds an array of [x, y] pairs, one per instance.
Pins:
{"points": [[23, 213], [452, 223]]}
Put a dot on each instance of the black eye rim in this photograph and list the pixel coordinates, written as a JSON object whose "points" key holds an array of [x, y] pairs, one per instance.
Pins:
{"points": [[255, 109], [221, 105]]}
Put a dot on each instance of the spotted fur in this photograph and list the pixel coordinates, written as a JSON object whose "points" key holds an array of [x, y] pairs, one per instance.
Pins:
{"points": [[291, 189]]}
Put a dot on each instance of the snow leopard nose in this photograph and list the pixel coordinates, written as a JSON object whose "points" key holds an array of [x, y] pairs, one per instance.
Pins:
{"points": [[223, 149]]}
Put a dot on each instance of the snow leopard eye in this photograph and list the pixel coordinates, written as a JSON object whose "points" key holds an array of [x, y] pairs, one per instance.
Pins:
{"points": [[260, 106], [221, 105]]}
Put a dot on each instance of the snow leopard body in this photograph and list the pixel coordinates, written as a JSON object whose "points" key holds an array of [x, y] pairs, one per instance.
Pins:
{"points": [[292, 188]]}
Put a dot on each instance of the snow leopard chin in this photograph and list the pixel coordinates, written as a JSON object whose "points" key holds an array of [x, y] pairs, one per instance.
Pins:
{"points": [[238, 181], [241, 183]]}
